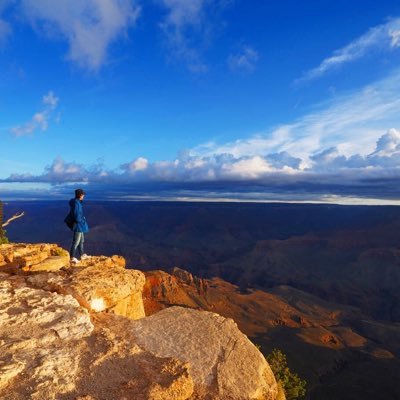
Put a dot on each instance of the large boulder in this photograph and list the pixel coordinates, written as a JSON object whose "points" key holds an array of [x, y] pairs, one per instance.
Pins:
{"points": [[224, 363], [99, 284]]}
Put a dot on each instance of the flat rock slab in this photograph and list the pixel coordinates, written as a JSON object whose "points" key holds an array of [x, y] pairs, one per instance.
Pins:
{"points": [[224, 363], [52, 263]]}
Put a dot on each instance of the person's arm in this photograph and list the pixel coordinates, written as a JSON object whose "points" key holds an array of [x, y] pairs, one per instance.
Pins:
{"points": [[78, 214]]}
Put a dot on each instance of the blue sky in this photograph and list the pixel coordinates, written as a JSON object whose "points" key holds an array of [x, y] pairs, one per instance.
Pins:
{"points": [[201, 99]]}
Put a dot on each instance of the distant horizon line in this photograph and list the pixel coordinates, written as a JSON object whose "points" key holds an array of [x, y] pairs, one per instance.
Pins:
{"points": [[327, 202]]}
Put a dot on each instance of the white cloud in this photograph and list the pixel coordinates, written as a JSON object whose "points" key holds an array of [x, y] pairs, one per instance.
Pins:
{"points": [[50, 100], [187, 27], [385, 36], [61, 171], [140, 164], [248, 168], [246, 59], [89, 26], [384, 159], [352, 123], [388, 144], [40, 120], [395, 36]]}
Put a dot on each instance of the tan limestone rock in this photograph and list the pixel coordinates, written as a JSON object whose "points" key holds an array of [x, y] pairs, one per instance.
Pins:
{"points": [[8, 371], [32, 258], [99, 288], [17, 257], [113, 366], [103, 262], [36, 328], [224, 363], [131, 307], [99, 284], [6, 251], [52, 263], [51, 351]]}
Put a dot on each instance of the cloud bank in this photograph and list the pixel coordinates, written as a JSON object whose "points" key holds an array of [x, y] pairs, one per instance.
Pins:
{"points": [[349, 146], [352, 123], [274, 176]]}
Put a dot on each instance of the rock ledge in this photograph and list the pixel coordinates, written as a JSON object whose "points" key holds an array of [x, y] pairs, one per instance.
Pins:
{"points": [[70, 333]]}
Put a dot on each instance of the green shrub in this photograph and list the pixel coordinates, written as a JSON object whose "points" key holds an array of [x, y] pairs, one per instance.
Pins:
{"points": [[294, 387], [3, 236]]}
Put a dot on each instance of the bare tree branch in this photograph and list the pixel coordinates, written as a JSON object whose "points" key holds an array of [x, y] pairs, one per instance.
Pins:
{"points": [[15, 216]]}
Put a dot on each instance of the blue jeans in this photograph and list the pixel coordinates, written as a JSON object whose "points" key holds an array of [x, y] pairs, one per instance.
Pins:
{"points": [[77, 244]]}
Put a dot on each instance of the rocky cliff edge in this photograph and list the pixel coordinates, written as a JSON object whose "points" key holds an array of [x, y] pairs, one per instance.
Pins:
{"points": [[80, 333]]}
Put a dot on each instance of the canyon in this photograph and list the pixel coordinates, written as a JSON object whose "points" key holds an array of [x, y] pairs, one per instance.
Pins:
{"points": [[319, 282]]}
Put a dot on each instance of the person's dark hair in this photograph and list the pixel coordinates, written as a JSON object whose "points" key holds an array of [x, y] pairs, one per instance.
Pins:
{"points": [[79, 193]]}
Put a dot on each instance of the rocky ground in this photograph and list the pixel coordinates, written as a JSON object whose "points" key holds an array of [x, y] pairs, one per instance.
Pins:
{"points": [[81, 333]]}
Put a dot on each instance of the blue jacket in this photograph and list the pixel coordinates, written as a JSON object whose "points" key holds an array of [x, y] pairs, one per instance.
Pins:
{"points": [[76, 217]]}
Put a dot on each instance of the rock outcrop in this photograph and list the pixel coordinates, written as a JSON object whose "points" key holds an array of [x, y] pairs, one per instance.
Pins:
{"points": [[180, 288], [99, 284], [187, 278], [224, 363], [80, 333], [38, 331], [15, 257]]}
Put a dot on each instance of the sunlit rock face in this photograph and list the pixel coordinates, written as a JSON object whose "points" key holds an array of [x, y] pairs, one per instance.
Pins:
{"points": [[52, 350], [224, 363], [97, 305], [80, 333], [99, 284], [17, 257], [39, 331]]}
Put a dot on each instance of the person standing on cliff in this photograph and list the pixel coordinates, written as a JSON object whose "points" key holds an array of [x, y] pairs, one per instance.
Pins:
{"points": [[76, 221]]}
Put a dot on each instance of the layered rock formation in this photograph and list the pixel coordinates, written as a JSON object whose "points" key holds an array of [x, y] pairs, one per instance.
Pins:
{"points": [[80, 333], [179, 288], [32, 257]]}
